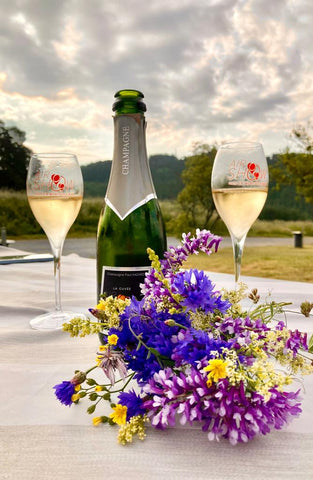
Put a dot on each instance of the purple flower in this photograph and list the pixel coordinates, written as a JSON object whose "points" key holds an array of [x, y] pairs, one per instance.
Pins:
{"points": [[204, 241], [133, 402], [238, 330], [198, 292], [192, 346], [66, 389], [297, 341], [170, 394], [224, 410], [64, 392], [174, 257]]}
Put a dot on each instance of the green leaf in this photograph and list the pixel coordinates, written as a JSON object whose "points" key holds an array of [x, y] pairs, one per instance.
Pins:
{"points": [[310, 346], [91, 381], [91, 409], [154, 351]]}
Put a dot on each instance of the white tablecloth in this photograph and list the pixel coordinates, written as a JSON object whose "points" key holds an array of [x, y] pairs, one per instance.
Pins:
{"points": [[42, 439]]}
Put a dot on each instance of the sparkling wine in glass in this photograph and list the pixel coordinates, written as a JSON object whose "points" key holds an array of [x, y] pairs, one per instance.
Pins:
{"points": [[239, 187], [55, 191]]}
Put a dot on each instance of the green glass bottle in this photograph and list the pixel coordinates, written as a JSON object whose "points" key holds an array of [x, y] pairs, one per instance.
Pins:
{"points": [[131, 218]]}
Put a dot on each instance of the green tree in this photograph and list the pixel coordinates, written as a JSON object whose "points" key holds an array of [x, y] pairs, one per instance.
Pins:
{"points": [[297, 167], [195, 199], [14, 158]]}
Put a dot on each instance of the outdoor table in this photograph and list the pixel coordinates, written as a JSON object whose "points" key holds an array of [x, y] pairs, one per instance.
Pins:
{"points": [[42, 439]]}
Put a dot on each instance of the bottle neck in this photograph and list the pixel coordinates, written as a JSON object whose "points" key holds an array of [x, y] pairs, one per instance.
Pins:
{"points": [[129, 143], [130, 185]]}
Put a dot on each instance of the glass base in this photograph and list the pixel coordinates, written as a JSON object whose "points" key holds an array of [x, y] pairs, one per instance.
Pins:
{"points": [[53, 320]]}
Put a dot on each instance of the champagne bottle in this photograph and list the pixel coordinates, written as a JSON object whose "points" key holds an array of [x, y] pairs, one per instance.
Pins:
{"points": [[131, 219]]}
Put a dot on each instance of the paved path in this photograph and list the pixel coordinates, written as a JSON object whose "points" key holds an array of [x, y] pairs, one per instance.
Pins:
{"points": [[86, 247]]}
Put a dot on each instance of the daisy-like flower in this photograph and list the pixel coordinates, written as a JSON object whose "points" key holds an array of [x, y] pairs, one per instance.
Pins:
{"points": [[119, 414], [112, 339], [217, 369]]}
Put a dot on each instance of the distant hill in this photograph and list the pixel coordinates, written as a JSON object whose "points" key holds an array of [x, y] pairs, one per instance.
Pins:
{"points": [[165, 170]]}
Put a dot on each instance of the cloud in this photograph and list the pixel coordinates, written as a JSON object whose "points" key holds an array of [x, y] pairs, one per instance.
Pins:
{"points": [[210, 70]]}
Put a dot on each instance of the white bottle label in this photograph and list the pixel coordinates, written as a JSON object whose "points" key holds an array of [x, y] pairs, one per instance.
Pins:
{"points": [[130, 184]]}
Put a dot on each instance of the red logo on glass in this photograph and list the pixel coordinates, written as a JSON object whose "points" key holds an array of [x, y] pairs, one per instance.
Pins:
{"points": [[243, 173], [57, 182], [253, 172]]}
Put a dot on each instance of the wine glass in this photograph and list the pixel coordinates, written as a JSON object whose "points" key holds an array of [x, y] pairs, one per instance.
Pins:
{"points": [[55, 192], [239, 187]]}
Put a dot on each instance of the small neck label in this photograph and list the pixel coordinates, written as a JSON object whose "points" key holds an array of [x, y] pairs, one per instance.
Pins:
{"points": [[130, 185]]}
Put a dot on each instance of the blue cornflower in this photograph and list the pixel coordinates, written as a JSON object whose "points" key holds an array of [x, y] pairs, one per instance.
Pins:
{"points": [[64, 392], [143, 327], [133, 402], [198, 292]]}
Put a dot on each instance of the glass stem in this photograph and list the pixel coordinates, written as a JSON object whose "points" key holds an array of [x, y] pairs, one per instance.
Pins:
{"points": [[57, 252], [238, 250], [57, 283]]}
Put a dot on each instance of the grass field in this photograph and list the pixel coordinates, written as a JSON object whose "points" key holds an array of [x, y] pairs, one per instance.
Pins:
{"points": [[285, 263]]}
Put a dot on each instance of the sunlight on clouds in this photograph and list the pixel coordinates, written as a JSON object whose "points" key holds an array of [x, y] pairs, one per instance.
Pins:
{"points": [[122, 44], [126, 42], [227, 99], [302, 96], [28, 28], [65, 122], [254, 66], [164, 136], [219, 47], [3, 77], [68, 47]]}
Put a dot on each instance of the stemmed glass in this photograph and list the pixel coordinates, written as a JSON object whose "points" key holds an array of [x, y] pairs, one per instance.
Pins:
{"points": [[55, 191], [239, 187]]}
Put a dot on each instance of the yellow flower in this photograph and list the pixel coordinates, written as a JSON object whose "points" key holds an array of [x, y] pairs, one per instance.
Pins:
{"points": [[98, 388], [217, 369], [119, 414], [77, 388], [135, 426], [101, 305], [75, 397], [112, 339], [96, 421]]}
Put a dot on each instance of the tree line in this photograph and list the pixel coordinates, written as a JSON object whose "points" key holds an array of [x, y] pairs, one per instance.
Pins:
{"points": [[187, 180]]}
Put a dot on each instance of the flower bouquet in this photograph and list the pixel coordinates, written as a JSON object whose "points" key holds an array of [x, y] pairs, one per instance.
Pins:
{"points": [[189, 353]]}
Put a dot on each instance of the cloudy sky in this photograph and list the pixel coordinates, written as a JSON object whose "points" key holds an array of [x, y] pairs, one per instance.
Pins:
{"points": [[210, 70]]}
